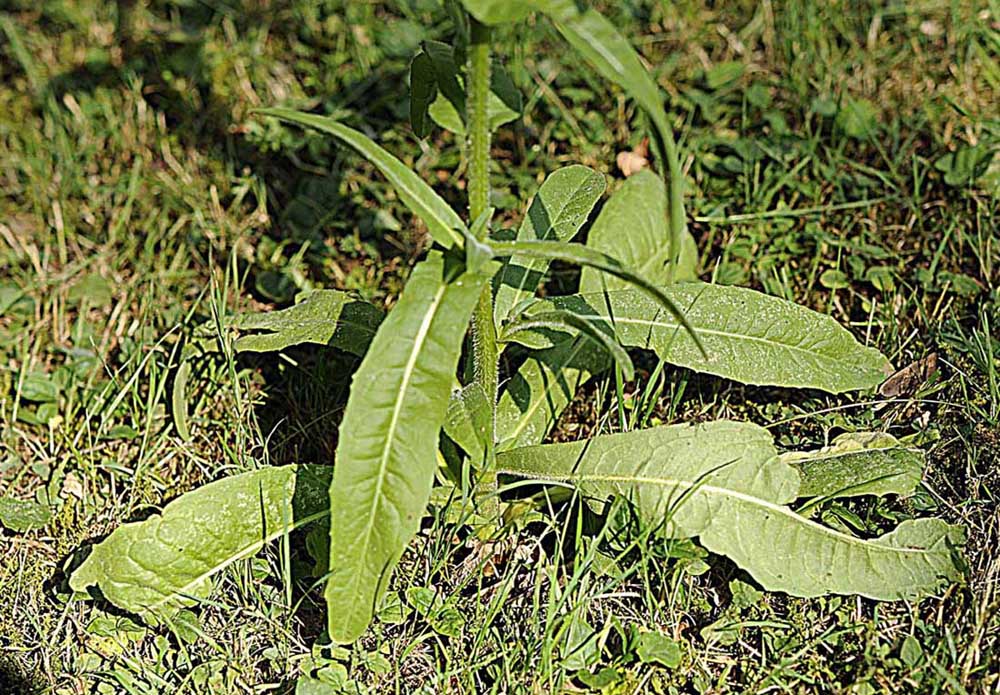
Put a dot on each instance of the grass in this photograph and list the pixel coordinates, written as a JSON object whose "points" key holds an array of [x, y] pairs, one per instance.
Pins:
{"points": [[842, 155]]}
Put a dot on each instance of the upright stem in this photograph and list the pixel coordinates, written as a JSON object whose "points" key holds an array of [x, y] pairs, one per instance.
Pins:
{"points": [[484, 337], [478, 126]]}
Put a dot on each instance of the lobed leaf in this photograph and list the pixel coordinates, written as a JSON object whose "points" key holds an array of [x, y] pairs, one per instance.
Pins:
{"points": [[557, 212], [386, 456], [443, 223], [749, 337], [723, 482], [164, 563]]}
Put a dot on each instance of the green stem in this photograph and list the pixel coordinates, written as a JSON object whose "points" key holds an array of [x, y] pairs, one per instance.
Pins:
{"points": [[479, 119], [484, 337]]}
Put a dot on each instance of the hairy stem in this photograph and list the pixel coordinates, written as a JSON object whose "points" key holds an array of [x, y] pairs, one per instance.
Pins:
{"points": [[479, 119], [484, 337]]}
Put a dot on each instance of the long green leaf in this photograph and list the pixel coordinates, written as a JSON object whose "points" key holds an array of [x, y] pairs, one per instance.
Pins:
{"points": [[750, 337], [159, 565], [324, 317], [633, 228], [723, 482], [858, 463], [443, 223], [557, 212], [386, 457]]}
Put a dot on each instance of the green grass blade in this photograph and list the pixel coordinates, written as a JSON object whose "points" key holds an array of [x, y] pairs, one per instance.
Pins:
{"points": [[443, 223]]}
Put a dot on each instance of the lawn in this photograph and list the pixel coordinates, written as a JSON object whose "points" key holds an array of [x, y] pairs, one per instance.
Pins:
{"points": [[841, 155]]}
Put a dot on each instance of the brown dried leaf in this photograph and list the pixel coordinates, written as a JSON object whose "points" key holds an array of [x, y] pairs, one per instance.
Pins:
{"points": [[907, 380], [633, 161]]}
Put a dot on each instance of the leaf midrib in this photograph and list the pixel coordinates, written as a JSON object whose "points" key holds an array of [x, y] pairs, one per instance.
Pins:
{"points": [[712, 331], [408, 371], [698, 487]]}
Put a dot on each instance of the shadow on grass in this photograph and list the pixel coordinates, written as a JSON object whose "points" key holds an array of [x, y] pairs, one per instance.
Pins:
{"points": [[14, 680], [176, 68]]}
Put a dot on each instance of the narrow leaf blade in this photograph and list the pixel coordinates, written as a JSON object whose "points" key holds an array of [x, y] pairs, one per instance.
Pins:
{"points": [[559, 321], [386, 457], [443, 223], [499, 11]]}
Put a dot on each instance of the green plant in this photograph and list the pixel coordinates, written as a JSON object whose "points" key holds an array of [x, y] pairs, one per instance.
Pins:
{"points": [[723, 482]]}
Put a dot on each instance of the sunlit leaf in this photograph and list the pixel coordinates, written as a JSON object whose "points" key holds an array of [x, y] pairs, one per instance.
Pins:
{"points": [[386, 456], [443, 223], [749, 337], [724, 483], [166, 562], [557, 212]]}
